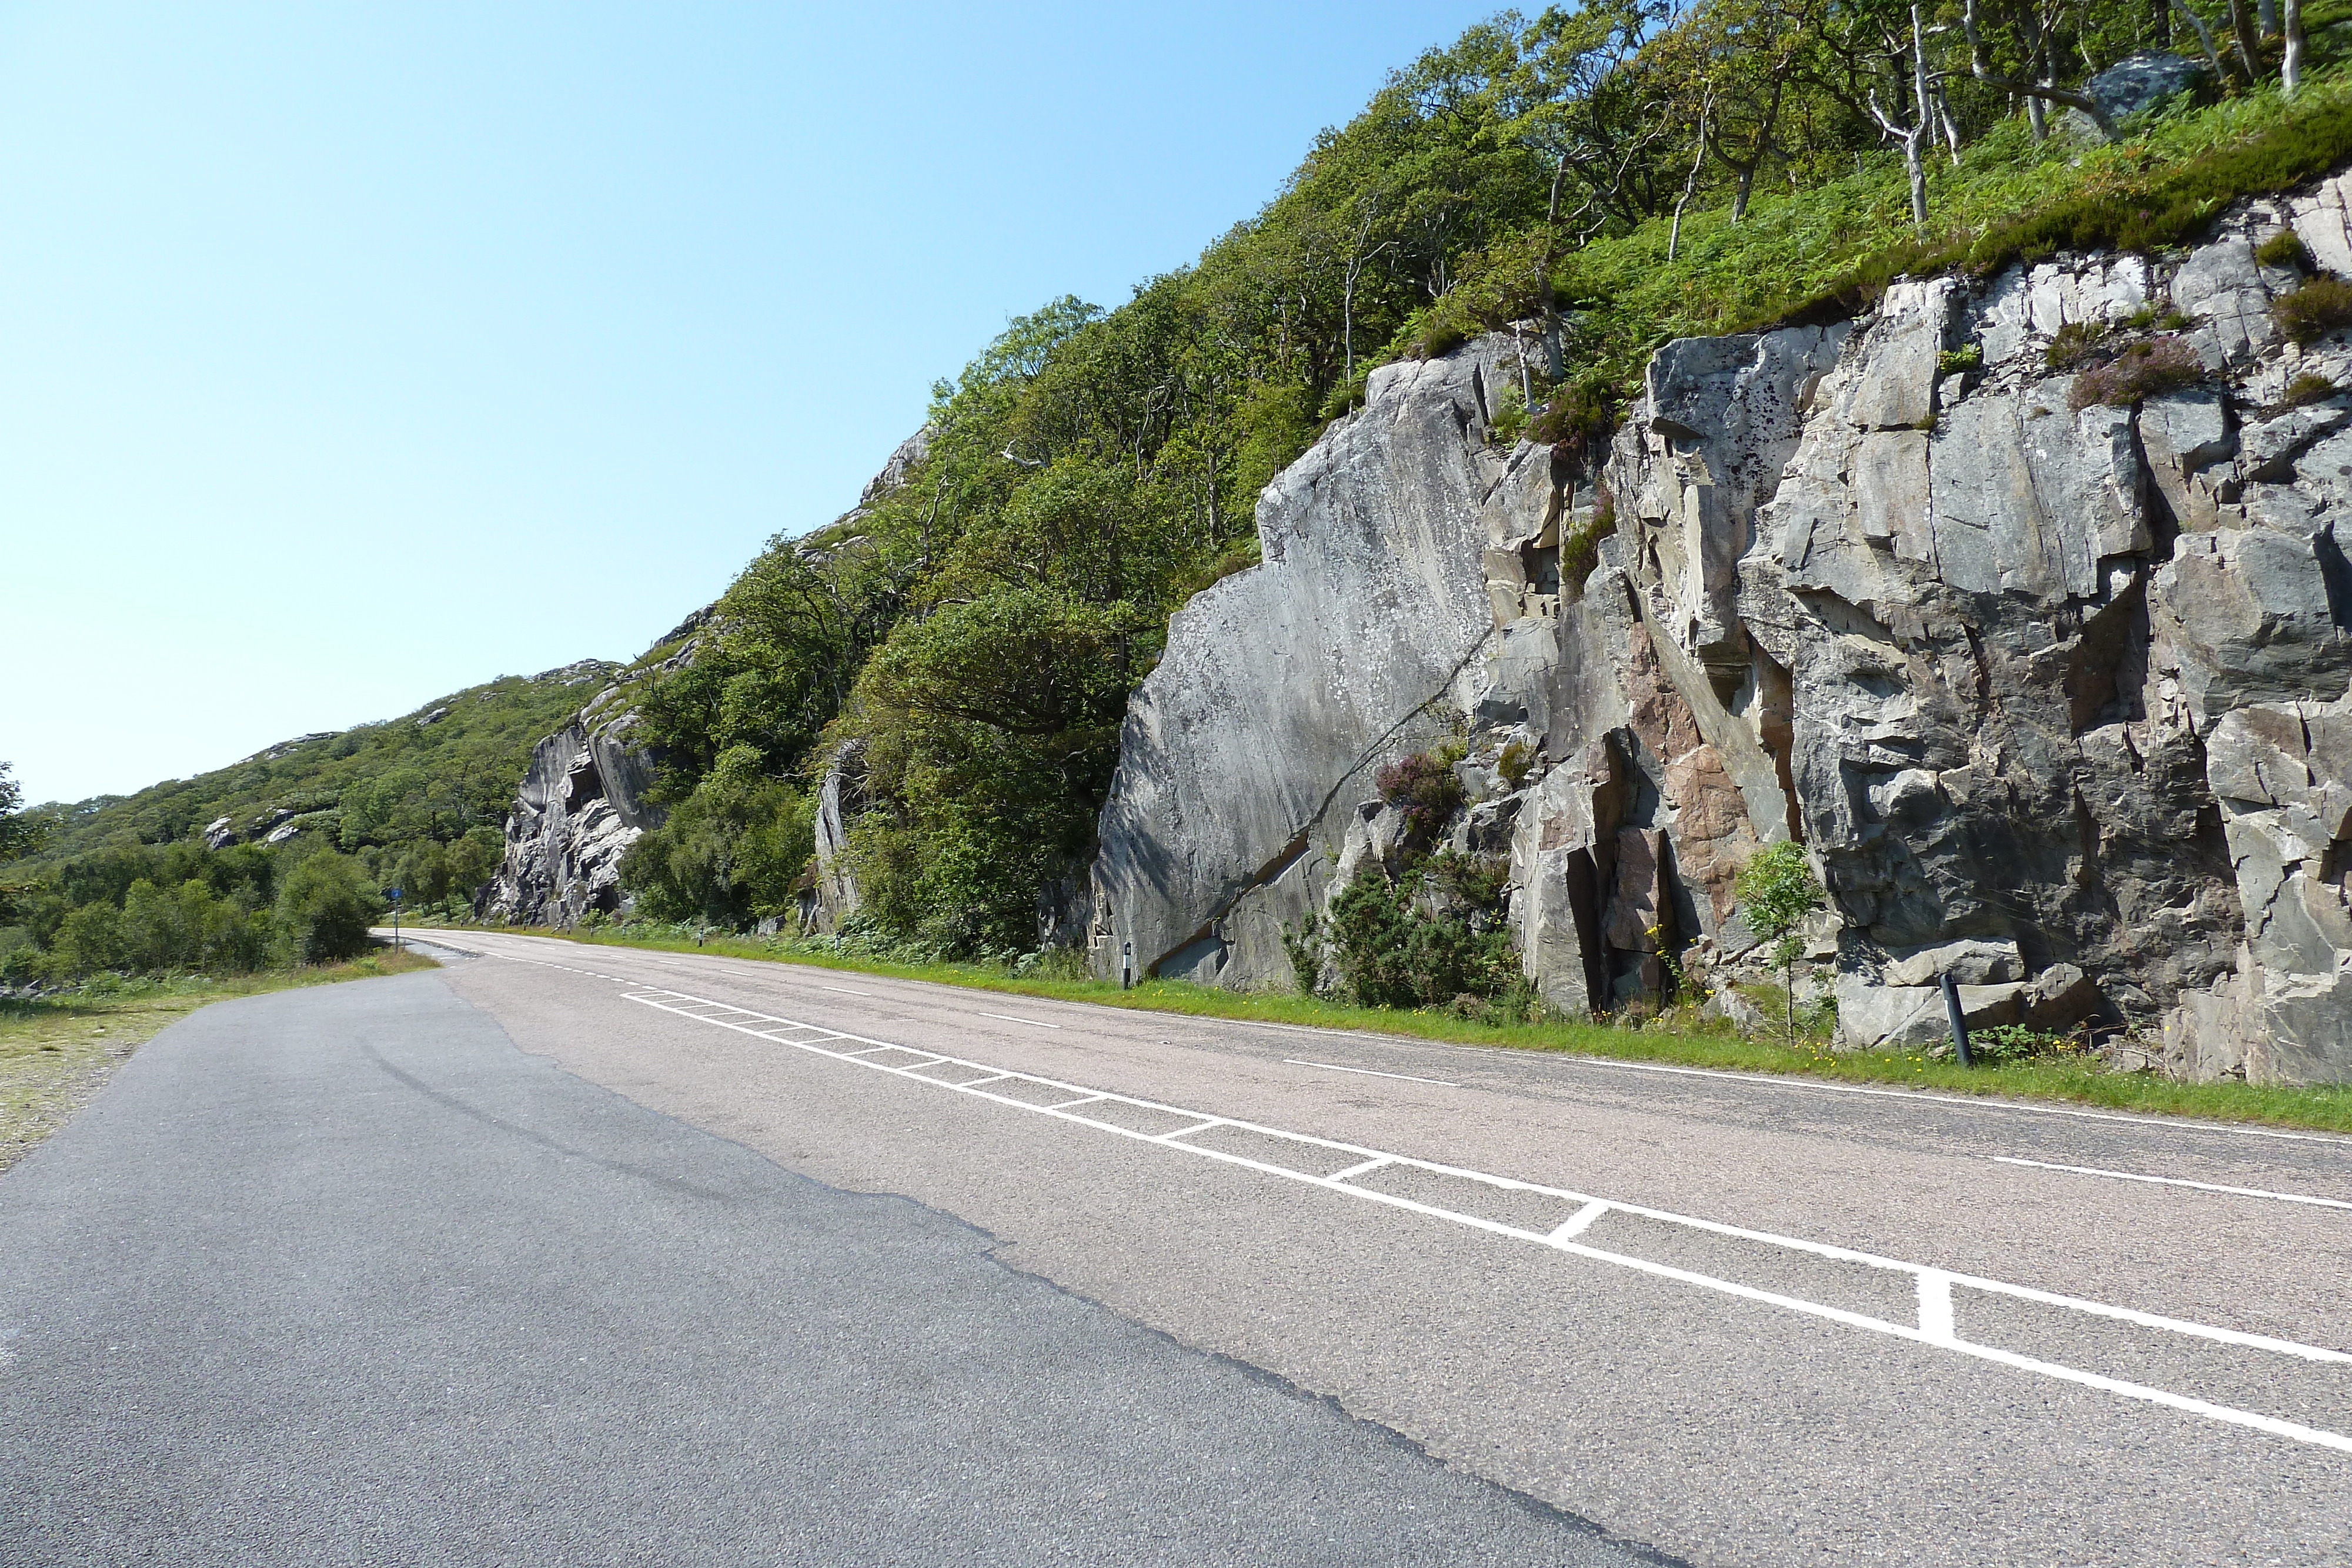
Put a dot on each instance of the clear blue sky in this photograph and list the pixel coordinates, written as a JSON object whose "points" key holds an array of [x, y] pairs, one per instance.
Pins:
{"points": [[350, 355]]}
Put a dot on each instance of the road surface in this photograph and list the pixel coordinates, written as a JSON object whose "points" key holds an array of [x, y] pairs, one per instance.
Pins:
{"points": [[583, 1254]]}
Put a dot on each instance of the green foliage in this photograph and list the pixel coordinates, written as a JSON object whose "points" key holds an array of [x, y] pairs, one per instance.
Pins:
{"points": [[1777, 890], [2284, 248], [2314, 310], [1579, 548], [1392, 951], [1303, 945], [325, 905], [2308, 388], [730, 853], [1514, 764], [2075, 344], [402, 795], [20, 834], [2142, 370], [1951, 361], [1578, 422], [2015, 1043]]}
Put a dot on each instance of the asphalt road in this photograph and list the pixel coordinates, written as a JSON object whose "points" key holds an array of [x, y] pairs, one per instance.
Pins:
{"points": [[349, 1243]]}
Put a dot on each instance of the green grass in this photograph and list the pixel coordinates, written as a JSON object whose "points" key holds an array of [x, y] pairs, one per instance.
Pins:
{"points": [[1824, 252], [55, 1053], [2074, 1081]]}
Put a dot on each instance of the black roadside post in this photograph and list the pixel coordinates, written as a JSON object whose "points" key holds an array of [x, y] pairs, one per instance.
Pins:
{"points": [[1127, 966], [1959, 1021]]}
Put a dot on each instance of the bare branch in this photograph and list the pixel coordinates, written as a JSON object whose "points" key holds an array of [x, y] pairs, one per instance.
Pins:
{"points": [[1980, 66]]}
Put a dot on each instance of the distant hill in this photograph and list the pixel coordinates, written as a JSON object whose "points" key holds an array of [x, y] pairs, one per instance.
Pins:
{"points": [[418, 799]]}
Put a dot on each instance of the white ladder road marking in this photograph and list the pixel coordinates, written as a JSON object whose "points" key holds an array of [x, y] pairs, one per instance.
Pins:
{"points": [[1367, 1072], [1008, 1018], [2175, 1124], [1932, 1327], [2174, 1181]]}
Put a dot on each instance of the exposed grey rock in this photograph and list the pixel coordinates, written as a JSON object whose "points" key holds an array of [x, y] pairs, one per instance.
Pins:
{"points": [[2221, 284], [2323, 221], [580, 808], [2143, 81], [1283, 688], [2055, 698], [219, 833], [833, 894], [1971, 961]]}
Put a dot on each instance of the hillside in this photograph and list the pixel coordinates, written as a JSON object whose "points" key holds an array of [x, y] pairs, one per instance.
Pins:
{"points": [[417, 800], [959, 654]]}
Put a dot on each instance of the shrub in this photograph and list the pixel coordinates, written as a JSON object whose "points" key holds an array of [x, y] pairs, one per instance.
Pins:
{"points": [[1578, 422], [1517, 758], [1391, 954], [1579, 549], [2015, 1043], [2076, 343], [2308, 387], [1969, 357], [2143, 369], [1777, 890], [2284, 248], [1424, 786], [2314, 310], [325, 906]]}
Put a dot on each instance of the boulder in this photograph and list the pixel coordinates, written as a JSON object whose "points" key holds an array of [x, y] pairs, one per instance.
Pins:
{"points": [[2144, 81]]}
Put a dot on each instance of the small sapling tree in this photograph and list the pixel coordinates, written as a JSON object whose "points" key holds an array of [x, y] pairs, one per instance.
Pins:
{"points": [[1776, 892]]}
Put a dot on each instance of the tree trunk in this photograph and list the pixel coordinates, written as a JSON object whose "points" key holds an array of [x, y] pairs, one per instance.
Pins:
{"points": [[2037, 117], [2204, 40], [1743, 179], [2267, 14], [2250, 49], [1690, 186], [1915, 167], [2291, 64], [1923, 120]]}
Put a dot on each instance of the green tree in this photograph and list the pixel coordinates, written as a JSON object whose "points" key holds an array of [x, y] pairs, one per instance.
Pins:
{"points": [[20, 835], [729, 853], [325, 905], [1776, 892]]}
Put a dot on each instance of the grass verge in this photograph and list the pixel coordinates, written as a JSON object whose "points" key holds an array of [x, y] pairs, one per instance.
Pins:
{"points": [[2072, 1080], [56, 1052]]}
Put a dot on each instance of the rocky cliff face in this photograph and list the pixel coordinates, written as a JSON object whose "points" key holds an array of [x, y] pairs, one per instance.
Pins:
{"points": [[582, 802], [1247, 749], [2055, 694], [580, 808]]}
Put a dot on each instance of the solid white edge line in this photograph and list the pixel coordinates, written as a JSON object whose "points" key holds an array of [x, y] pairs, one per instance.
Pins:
{"points": [[1366, 1168], [1369, 1072], [1766, 1079], [1008, 1018], [2174, 1181], [845, 990]]}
